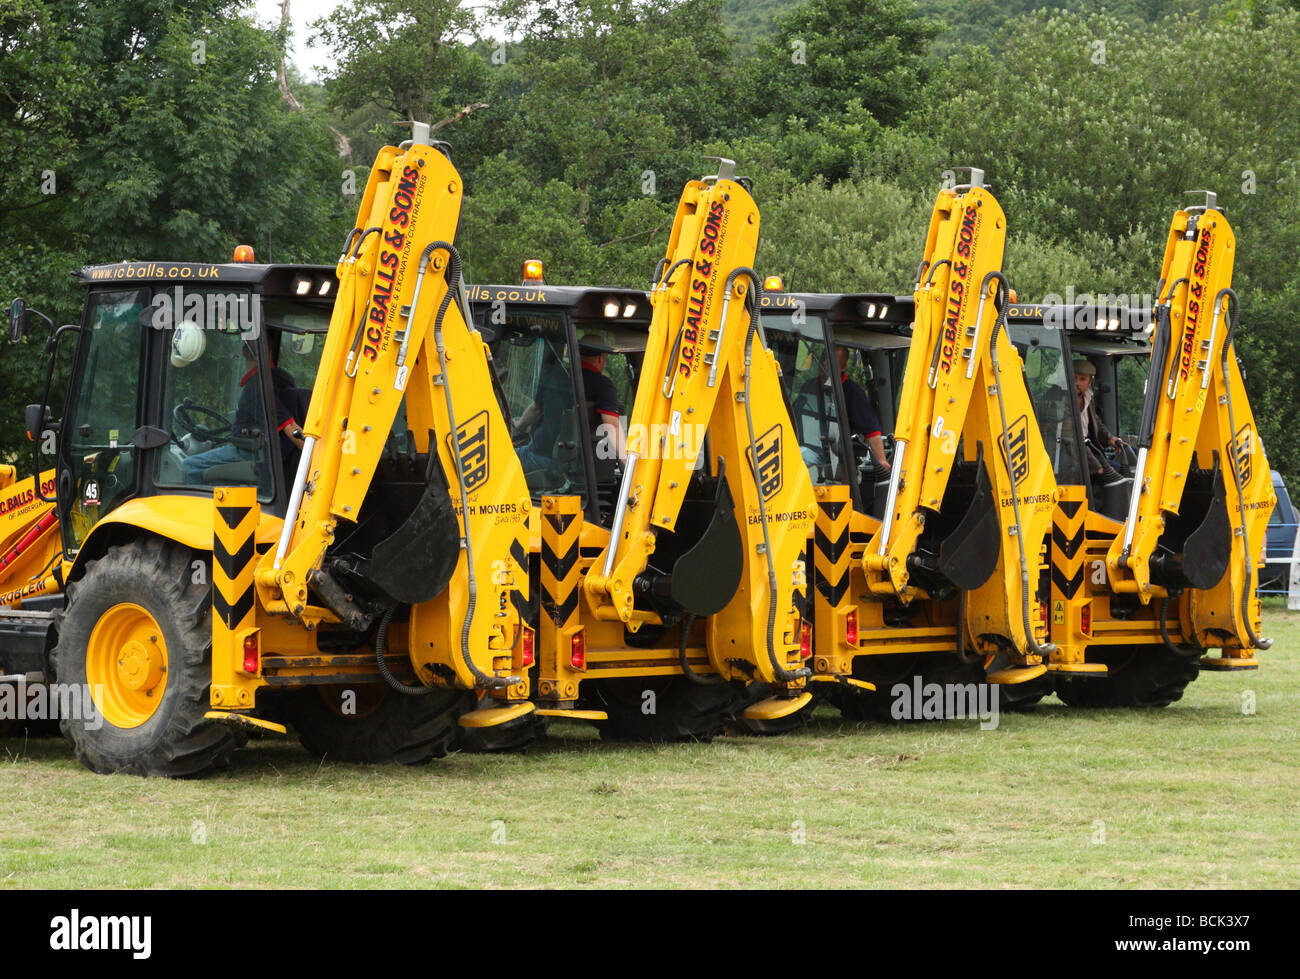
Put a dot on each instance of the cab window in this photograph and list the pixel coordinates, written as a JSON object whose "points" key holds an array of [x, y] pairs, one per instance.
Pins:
{"points": [[532, 362], [213, 401], [1051, 390], [98, 451], [806, 375], [1130, 381]]}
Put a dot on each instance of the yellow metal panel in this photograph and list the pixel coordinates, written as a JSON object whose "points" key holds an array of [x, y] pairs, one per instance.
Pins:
{"points": [[235, 517]]}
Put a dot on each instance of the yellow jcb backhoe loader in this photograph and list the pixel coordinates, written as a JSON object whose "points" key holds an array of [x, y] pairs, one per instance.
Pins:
{"points": [[1110, 648], [1181, 558], [372, 591], [701, 587], [969, 502]]}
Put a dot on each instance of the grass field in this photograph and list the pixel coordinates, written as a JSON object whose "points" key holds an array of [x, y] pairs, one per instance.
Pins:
{"points": [[1201, 794]]}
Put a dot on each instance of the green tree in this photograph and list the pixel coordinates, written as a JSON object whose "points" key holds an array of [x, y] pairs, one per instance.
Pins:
{"points": [[146, 129], [1094, 132], [829, 53], [402, 60]]}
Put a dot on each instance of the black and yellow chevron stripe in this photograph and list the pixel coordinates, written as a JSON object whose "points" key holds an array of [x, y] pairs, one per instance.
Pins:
{"points": [[1067, 543], [561, 528], [520, 556], [831, 544], [233, 559]]}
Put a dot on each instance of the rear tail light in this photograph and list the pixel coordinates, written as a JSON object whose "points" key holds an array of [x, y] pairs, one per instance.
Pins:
{"points": [[578, 655], [252, 654], [526, 647], [805, 640], [851, 627], [1085, 619]]}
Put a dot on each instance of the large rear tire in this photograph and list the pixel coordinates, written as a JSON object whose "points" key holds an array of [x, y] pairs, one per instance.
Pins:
{"points": [[886, 670], [1139, 676], [137, 633], [666, 709], [369, 723]]}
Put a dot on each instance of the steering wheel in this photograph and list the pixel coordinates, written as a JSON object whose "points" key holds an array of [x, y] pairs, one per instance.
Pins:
{"points": [[181, 417]]}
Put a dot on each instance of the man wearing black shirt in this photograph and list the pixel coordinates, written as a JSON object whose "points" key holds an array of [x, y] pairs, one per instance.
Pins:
{"points": [[862, 416], [603, 398], [248, 422], [554, 392]]}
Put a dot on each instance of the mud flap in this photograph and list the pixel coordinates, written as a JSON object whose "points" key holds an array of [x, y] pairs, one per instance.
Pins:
{"points": [[417, 562], [968, 555]]}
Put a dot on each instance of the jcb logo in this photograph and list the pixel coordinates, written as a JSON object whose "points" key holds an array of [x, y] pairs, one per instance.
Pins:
{"points": [[1016, 445], [1240, 450], [472, 445], [767, 462]]}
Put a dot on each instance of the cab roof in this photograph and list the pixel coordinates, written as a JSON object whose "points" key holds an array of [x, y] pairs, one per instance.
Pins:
{"points": [[582, 302], [1093, 329], [274, 280]]}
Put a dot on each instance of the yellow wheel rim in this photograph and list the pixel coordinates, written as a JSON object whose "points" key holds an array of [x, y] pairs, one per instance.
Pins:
{"points": [[126, 665]]}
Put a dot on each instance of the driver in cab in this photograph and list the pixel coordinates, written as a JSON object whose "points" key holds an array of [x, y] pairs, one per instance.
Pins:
{"points": [[1094, 430], [248, 418], [862, 416]]}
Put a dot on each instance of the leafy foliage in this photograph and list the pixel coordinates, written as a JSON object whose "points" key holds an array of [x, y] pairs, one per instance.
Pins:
{"points": [[144, 129], [588, 115]]}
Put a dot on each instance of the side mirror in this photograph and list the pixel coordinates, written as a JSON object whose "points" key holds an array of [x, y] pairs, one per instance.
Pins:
{"points": [[39, 418], [17, 320]]}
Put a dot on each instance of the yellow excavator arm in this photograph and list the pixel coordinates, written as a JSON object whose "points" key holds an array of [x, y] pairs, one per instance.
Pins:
{"points": [[400, 331], [720, 533], [971, 493], [1201, 494]]}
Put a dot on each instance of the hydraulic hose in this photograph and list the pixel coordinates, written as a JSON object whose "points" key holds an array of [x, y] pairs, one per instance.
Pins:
{"points": [[350, 367], [756, 299], [1176, 648], [1000, 301], [381, 647], [670, 378], [453, 278], [969, 659], [687, 670], [1234, 315], [932, 378]]}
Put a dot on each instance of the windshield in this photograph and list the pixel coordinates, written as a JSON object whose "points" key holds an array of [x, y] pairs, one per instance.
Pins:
{"points": [[806, 377], [1050, 389], [532, 364], [214, 406]]}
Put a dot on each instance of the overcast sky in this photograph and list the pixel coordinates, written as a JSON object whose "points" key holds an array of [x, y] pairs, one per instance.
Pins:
{"points": [[310, 60]]}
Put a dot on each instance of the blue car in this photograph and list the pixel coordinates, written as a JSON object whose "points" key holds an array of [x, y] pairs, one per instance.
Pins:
{"points": [[1280, 539]]}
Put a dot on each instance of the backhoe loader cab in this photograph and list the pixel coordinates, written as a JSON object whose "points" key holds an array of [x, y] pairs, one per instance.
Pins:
{"points": [[804, 331], [184, 378], [1115, 342], [251, 531], [546, 343]]}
